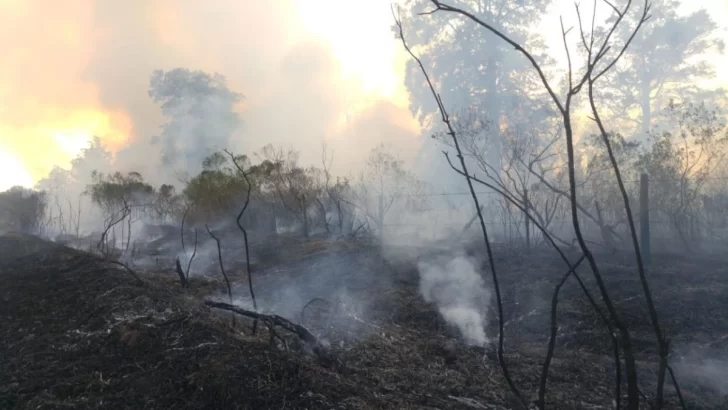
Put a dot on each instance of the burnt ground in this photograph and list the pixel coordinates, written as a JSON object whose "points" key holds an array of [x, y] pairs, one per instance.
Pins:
{"points": [[77, 333]]}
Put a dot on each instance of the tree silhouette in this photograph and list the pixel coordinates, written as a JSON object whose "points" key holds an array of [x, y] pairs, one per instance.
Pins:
{"points": [[666, 61], [476, 69], [200, 114]]}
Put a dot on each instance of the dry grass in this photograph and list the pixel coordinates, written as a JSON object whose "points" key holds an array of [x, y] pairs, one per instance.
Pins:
{"points": [[77, 334]]}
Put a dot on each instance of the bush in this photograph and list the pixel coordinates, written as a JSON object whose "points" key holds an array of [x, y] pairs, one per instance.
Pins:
{"points": [[23, 210]]}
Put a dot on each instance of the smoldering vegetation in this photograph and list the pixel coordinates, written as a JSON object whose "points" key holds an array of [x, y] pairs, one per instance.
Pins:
{"points": [[536, 263]]}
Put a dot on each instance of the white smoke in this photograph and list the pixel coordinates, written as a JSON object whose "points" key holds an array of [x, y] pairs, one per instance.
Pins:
{"points": [[705, 368], [460, 294]]}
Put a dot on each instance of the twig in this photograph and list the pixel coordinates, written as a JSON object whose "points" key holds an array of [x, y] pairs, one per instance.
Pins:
{"points": [[222, 267]]}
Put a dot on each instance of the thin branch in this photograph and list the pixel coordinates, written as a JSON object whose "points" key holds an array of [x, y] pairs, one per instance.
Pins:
{"points": [[304, 334], [451, 132], [662, 344], [633, 395], [645, 16], [245, 234], [180, 273], [568, 53], [192, 258], [677, 388], [550, 238], [222, 267], [182, 229], [440, 6], [552, 336]]}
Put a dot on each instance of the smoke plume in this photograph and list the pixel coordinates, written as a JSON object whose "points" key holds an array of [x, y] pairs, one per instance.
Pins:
{"points": [[459, 293]]}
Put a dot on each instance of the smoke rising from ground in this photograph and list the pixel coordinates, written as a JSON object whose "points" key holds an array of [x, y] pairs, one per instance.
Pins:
{"points": [[703, 367], [460, 294]]}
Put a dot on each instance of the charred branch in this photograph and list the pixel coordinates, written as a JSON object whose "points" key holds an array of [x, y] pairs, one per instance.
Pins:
{"points": [[303, 334], [245, 234], [494, 275], [222, 266], [180, 273]]}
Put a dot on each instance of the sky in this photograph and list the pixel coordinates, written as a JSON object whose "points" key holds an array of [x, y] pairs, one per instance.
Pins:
{"points": [[311, 70]]}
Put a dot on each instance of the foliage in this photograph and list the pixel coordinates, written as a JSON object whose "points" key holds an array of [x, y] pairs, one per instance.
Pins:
{"points": [[216, 190], [23, 209], [384, 183], [200, 112], [168, 203], [681, 161], [666, 60], [474, 69], [114, 191], [297, 188]]}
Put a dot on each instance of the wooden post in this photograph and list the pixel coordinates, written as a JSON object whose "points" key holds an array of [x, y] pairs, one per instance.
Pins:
{"points": [[645, 219]]}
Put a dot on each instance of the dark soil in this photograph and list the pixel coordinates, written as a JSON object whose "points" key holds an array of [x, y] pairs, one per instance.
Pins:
{"points": [[76, 332]]}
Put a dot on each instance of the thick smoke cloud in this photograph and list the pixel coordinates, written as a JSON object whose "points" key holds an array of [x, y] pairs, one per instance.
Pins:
{"points": [[84, 68], [460, 294], [81, 67]]}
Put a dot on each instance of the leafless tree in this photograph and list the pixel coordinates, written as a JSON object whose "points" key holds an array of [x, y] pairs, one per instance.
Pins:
{"points": [[596, 66], [245, 233], [523, 153]]}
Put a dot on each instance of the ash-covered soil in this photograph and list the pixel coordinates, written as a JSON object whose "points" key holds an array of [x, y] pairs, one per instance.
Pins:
{"points": [[78, 333]]}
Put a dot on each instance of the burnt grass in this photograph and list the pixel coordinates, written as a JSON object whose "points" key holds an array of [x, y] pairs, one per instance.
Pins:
{"points": [[78, 333]]}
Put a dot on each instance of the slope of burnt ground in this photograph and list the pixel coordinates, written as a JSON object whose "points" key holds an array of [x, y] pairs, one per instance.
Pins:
{"points": [[76, 333]]}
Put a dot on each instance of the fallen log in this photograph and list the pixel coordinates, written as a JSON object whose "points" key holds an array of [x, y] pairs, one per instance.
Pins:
{"points": [[302, 333]]}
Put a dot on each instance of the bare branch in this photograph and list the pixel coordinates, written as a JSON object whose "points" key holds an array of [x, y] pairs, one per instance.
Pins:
{"points": [[645, 16], [180, 273], [568, 54], [222, 266], [304, 334], [552, 336], [238, 220], [192, 258], [451, 132]]}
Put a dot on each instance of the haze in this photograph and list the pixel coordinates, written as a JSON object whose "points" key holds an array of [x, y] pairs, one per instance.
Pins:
{"points": [[310, 70], [430, 198]]}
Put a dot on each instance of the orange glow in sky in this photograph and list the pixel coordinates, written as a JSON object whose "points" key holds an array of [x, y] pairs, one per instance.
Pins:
{"points": [[50, 108]]}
